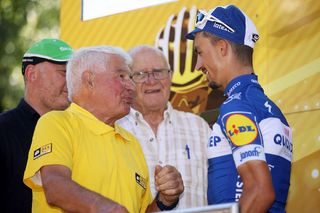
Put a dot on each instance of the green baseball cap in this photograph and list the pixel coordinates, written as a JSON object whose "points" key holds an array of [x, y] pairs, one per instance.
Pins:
{"points": [[52, 50]]}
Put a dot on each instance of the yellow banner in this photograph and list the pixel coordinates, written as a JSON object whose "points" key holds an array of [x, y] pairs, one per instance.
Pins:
{"points": [[286, 59]]}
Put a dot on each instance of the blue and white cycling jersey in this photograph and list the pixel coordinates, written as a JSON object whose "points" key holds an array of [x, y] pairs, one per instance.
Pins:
{"points": [[250, 127]]}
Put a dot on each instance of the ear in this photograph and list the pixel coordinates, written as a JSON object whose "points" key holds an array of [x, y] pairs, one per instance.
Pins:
{"points": [[223, 46], [87, 79], [31, 73]]}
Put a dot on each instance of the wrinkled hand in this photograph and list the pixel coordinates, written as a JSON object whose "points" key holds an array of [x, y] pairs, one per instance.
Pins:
{"points": [[169, 184]]}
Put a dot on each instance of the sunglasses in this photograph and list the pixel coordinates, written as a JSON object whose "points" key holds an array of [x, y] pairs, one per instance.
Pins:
{"points": [[203, 17]]}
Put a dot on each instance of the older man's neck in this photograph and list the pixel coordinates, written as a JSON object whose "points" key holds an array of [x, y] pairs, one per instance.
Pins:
{"points": [[98, 112], [152, 116], [154, 119]]}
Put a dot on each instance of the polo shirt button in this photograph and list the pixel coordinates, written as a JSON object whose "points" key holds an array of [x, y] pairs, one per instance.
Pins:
{"points": [[151, 139]]}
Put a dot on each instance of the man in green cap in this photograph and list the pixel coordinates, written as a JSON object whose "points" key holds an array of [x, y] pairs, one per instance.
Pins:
{"points": [[43, 69]]}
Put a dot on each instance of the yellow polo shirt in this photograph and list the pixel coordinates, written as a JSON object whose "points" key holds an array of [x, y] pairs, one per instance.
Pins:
{"points": [[101, 158]]}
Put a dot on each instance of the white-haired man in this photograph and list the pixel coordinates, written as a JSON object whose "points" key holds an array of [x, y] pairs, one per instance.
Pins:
{"points": [[79, 160], [167, 136]]}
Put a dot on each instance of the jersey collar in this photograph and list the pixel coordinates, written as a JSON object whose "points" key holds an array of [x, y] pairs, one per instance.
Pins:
{"points": [[27, 109], [236, 84]]}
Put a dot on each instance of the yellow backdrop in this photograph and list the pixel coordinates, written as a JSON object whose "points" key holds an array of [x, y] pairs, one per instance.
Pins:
{"points": [[286, 59]]}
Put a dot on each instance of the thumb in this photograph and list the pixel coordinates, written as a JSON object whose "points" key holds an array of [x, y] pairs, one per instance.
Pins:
{"points": [[157, 170]]}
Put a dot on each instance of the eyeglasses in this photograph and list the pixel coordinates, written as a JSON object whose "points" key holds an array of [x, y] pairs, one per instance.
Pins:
{"points": [[203, 17], [158, 74]]}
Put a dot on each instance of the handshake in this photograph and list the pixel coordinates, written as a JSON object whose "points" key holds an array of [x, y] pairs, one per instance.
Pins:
{"points": [[169, 185]]}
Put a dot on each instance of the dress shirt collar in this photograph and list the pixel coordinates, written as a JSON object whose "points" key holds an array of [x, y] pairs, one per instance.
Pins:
{"points": [[137, 116]]}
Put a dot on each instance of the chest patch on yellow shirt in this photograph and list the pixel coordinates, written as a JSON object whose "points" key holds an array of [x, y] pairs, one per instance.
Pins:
{"points": [[42, 151], [141, 181]]}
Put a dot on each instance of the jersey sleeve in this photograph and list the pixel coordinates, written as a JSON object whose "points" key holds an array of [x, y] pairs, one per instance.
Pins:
{"points": [[241, 128], [51, 145]]}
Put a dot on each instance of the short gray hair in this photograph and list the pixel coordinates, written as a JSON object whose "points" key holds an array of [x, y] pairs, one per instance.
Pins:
{"points": [[90, 58], [135, 50]]}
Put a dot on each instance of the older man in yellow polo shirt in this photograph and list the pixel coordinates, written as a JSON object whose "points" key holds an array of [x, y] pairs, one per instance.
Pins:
{"points": [[80, 161]]}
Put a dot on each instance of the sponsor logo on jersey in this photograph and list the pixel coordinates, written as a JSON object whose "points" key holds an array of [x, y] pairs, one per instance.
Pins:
{"points": [[282, 140], [241, 129], [251, 153], [254, 81], [42, 151], [213, 141], [141, 181], [233, 87], [233, 97], [286, 132], [238, 192]]}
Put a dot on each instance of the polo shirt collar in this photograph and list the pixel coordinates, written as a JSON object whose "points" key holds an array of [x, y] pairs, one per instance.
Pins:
{"points": [[91, 122], [95, 125], [124, 133]]}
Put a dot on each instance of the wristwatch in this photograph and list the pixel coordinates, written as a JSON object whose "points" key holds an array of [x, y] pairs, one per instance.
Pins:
{"points": [[163, 207]]}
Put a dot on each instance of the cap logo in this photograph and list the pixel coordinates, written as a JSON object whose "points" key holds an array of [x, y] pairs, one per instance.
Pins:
{"points": [[227, 22], [65, 48], [221, 27], [255, 37], [27, 60]]}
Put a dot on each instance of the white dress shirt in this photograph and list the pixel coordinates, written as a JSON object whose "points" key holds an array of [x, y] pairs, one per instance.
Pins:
{"points": [[180, 141]]}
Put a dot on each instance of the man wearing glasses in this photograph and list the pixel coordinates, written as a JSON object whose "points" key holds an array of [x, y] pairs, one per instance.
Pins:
{"points": [[250, 148], [167, 136]]}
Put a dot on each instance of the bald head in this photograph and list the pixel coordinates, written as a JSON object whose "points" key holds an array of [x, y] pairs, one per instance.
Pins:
{"points": [[140, 54], [153, 92]]}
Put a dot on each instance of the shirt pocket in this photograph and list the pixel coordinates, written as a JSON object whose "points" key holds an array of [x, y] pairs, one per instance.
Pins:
{"points": [[190, 163]]}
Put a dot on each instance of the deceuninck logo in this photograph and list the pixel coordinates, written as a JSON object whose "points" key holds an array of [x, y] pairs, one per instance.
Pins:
{"points": [[42, 151], [241, 129]]}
